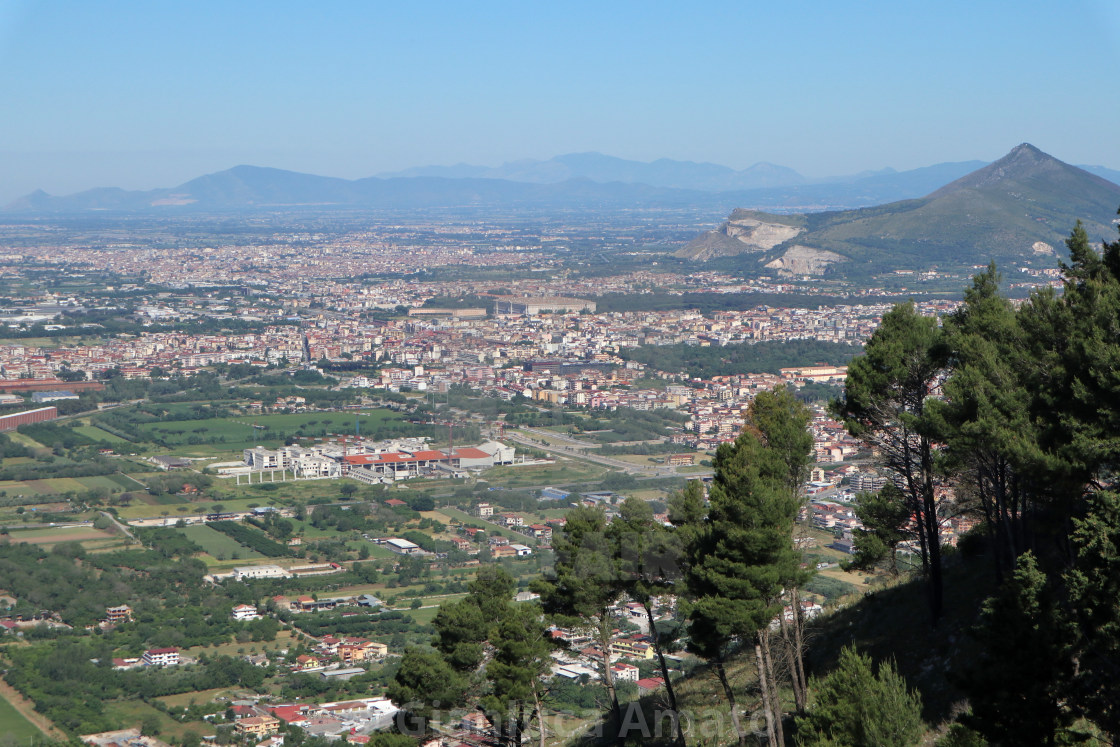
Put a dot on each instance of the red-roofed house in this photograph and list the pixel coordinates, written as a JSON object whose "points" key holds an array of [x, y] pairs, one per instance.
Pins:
{"points": [[290, 714]]}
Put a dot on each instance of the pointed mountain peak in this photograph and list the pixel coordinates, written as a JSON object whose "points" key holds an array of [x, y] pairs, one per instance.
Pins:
{"points": [[1024, 163]]}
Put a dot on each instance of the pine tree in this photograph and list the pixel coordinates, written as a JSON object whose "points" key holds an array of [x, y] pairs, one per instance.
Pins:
{"points": [[1015, 683], [650, 559], [854, 706], [743, 559], [1094, 591], [885, 518], [521, 657], [585, 583], [426, 685], [885, 398], [990, 440]]}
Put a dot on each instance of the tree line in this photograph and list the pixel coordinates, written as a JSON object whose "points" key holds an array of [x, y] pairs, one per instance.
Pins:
{"points": [[1017, 410]]}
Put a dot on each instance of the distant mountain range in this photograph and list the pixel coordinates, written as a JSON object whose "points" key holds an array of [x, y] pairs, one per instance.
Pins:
{"points": [[1015, 210], [664, 172], [587, 180]]}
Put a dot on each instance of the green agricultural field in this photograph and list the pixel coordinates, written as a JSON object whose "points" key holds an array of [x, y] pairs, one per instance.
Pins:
{"points": [[56, 485], [245, 431], [375, 551], [40, 342], [97, 434], [217, 544], [15, 726], [563, 471], [50, 536], [228, 503], [23, 440]]}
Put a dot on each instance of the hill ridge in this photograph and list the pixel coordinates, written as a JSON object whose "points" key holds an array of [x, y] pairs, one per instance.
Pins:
{"points": [[1015, 210]]}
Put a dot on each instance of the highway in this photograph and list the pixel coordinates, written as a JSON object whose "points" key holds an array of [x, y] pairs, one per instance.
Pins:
{"points": [[583, 450]]}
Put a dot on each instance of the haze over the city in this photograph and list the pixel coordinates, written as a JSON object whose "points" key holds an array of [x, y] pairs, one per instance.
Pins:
{"points": [[140, 96]]}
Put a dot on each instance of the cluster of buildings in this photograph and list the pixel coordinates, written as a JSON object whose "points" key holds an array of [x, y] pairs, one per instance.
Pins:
{"points": [[340, 654], [371, 462], [352, 720]]}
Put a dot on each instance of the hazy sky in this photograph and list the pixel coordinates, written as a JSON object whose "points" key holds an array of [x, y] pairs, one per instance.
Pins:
{"points": [[145, 94]]}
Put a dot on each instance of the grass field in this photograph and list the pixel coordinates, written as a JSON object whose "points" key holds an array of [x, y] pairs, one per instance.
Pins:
{"points": [[284, 639], [40, 342], [15, 726], [144, 510], [27, 441], [563, 471], [97, 434], [376, 552], [56, 485], [132, 712], [89, 537], [218, 545], [425, 615], [182, 700], [241, 432]]}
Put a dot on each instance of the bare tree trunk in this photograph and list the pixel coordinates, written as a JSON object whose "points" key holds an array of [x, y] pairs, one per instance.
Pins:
{"points": [[764, 686], [540, 712], [735, 723], [608, 675], [664, 671], [797, 673], [787, 649], [933, 529], [775, 691]]}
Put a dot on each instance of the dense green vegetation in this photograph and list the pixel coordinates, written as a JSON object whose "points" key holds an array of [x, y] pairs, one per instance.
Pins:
{"points": [[727, 360], [712, 302], [1026, 430], [51, 675]]}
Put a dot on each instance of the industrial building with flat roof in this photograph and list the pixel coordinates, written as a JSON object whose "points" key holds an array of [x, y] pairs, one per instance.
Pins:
{"points": [[27, 417], [542, 305]]}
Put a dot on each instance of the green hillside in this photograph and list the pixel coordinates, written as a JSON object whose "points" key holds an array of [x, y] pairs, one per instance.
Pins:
{"points": [[1004, 211]]}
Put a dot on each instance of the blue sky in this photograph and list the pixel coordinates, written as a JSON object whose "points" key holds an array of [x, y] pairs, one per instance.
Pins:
{"points": [[147, 94]]}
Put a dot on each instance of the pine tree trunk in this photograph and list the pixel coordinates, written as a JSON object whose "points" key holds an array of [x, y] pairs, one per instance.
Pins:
{"points": [[664, 671], [540, 712], [735, 723], [797, 654], [775, 691], [764, 686], [608, 676], [933, 531]]}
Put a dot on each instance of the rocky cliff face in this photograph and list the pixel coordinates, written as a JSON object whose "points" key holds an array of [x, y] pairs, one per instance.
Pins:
{"points": [[740, 234], [804, 260]]}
